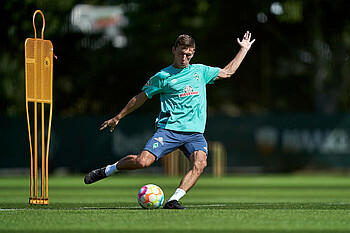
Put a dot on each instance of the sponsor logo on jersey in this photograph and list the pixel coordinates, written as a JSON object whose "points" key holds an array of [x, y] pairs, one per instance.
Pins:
{"points": [[188, 90]]}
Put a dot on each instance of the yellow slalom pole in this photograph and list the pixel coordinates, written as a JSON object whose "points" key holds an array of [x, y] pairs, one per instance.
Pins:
{"points": [[31, 152], [42, 119], [47, 154], [42, 30], [38, 71], [43, 170], [35, 151]]}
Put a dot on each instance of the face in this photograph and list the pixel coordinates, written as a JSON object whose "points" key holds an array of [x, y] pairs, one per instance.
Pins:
{"points": [[182, 56]]}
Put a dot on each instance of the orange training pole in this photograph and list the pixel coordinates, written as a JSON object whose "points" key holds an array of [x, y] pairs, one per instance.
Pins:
{"points": [[38, 83]]}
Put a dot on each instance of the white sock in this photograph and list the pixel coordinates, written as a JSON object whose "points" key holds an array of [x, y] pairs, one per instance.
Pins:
{"points": [[179, 193], [111, 169]]}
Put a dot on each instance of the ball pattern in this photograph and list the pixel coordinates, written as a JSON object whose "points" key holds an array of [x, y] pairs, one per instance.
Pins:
{"points": [[150, 196]]}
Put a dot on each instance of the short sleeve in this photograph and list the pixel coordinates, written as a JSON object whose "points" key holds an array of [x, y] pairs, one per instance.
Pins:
{"points": [[154, 85], [210, 73]]}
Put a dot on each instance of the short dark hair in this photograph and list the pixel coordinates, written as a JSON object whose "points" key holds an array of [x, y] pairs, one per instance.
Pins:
{"points": [[185, 40]]}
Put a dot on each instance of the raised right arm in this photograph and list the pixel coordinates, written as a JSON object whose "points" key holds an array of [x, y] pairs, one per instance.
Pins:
{"points": [[231, 68]]}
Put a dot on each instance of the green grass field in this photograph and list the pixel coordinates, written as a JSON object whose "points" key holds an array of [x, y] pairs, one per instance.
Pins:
{"points": [[232, 204]]}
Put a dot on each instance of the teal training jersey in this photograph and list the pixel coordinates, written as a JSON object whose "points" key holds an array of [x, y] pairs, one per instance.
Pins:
{"points": [[182, 96]]}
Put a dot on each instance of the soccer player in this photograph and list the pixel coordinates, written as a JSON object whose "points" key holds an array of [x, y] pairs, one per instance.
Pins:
{"points": [[181, 122]]}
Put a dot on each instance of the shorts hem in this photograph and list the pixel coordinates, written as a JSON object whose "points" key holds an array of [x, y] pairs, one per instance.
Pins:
{"points": [[151, 153]]}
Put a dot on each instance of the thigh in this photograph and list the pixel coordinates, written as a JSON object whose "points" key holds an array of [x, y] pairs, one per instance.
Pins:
{"points": [[195, 142]]}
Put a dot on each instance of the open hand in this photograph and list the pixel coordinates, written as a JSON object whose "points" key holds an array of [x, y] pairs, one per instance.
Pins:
{"points": [[111, 122], [246, 43]]}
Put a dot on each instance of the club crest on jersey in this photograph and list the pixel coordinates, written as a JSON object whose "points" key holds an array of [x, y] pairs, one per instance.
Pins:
{"points": [[188, 90], [196, 76]]}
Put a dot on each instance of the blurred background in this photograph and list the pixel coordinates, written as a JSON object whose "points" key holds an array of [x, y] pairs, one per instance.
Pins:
{"points": [[287, 109]]}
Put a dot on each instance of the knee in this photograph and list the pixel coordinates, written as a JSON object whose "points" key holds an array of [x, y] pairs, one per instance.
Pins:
{"points": [[199, 165], [144, 161]]}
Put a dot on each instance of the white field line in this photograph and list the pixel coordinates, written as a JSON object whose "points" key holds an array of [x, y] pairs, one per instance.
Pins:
{"points": [[208, 205], [95, 208], [12, 209], [79, 208], [138, 207]]}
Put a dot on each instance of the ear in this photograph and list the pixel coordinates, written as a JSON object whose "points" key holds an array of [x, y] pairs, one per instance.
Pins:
{"points": [[173, 50]]}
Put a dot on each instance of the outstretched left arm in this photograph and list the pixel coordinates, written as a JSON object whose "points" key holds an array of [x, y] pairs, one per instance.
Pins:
{"points": [[231, 68]]}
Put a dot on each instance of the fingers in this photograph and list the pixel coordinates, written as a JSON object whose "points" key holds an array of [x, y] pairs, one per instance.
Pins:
{"points": [[109, 123], [246, 43], [104, 125], [112, 128], [247, 36]]}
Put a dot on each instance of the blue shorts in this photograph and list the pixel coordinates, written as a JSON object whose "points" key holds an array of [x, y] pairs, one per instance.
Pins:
{"points": [[166, 141]]}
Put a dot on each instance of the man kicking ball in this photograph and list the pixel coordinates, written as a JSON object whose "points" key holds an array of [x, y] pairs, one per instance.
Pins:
{"points": [[181, 122]]}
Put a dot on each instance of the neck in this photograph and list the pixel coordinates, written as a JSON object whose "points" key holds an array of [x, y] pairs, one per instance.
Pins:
{"points": [[179, 67]]}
